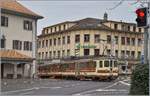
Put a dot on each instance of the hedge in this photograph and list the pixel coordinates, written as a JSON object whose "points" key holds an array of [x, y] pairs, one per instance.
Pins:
{"points": [[140, 80]]}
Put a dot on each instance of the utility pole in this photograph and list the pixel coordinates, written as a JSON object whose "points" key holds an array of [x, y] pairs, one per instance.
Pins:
{"points": [[148, 35]]}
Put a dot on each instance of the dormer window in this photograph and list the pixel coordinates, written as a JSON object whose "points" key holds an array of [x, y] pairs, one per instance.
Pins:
{"points": [[128, 28], [55, 29], [115, 26], [59, 28], [64, 27]]}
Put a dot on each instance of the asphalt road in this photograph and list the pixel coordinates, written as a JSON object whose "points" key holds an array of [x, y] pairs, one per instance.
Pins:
{"points": [[54, 87]]}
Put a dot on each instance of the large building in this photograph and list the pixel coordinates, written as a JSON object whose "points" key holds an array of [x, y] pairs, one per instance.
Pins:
{"points": [[91, 37], [18, 40]]}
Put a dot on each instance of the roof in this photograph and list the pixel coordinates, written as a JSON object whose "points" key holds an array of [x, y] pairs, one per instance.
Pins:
{"points": [[12, 54], [12, 6]]}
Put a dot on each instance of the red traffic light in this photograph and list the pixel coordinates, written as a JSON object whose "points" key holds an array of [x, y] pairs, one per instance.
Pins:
{"points": [[141, 17], [140, 13]]}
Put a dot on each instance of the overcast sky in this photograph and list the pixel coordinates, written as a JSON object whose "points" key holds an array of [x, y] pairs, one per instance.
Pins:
{"points": [[59, 11]]}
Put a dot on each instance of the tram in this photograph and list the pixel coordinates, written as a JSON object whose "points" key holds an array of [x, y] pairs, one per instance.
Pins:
{"points": [[95, 69]]}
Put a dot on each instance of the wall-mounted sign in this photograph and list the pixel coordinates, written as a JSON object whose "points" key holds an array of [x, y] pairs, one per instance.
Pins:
{"points": [[85, 46]]}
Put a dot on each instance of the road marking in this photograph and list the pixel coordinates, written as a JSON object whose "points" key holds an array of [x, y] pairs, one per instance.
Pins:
{"points": [[19, 90], [34, 88], [104, 89], [110, 90], [125, 83]]}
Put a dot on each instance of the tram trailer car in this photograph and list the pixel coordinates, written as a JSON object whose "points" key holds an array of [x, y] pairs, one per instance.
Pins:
{"points": [[106, 69]]}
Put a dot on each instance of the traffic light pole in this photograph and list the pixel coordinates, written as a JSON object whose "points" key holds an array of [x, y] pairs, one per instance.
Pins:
{"points": [[147, 38], [148, 35]]}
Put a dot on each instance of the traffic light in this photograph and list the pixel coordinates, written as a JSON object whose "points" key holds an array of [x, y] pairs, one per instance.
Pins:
{"points": [[141, 17]]}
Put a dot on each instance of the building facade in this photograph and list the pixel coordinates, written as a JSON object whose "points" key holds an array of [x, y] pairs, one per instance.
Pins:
{"points": [[18, 39], [91, 37]]}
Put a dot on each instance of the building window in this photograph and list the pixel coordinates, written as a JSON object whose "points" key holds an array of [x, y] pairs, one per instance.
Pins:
{"points": [[68, 39], [46, 55], [132, 41], [115, 26], [63, 42], [86, 52], [43, 43], [50, 54], [116, 53], [54, 41], [122, 54], [54, 54], [39, 44], [108, 39], [128, 28], [4, 21], [17, 44], [55, 29], [59, 41], [139, 42], [86, 38], [51, 29], [96, 52], [3, 41], [42, 55], [123, 27], [139, 54], [116, 39], [128, 53], [39, 55], [68, 52], [97, 38], [27, 45], [140, 30], [46, 43], [60, 28], [58, 52], [108, 52], [50, 42], [46, 31], [64, 27], [63, 53], [132, 54], [128, 41], [123, 40], [27, 25], [77, 38], [134, 29]]}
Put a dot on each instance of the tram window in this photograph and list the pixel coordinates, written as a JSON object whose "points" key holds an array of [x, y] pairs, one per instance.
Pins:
{"points": [[111, 63], [106, 63], [100, 64], [115, 63]]}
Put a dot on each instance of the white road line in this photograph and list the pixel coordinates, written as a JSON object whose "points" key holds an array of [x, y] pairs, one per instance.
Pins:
{"points": [[125, 83], [104, 89], [34, 88], [19, 90], [110, 90]]}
